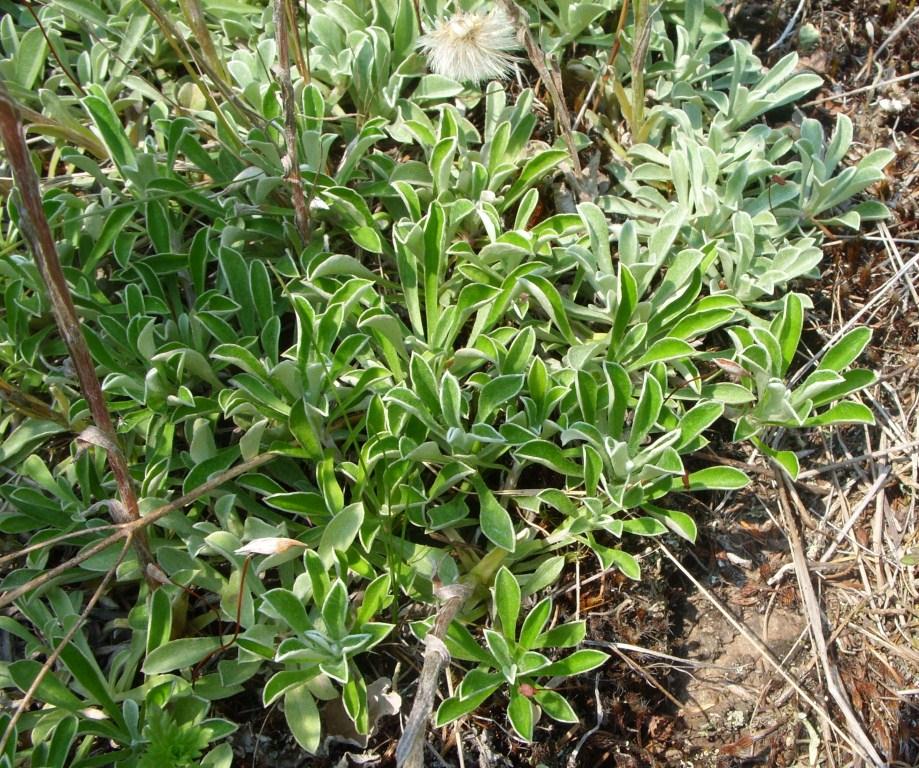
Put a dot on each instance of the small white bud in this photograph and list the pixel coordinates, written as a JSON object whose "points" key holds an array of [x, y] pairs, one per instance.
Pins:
{"points": [[270, 545], [93, 713]]}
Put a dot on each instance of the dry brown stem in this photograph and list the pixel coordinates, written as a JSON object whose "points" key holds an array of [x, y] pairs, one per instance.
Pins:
{"points": [[41, 242], [550, 79], [186, 54], [292, 155], [410, 751], [194, 15]]}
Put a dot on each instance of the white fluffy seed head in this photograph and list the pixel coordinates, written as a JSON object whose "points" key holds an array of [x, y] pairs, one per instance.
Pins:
{"points": [[471, 47]]}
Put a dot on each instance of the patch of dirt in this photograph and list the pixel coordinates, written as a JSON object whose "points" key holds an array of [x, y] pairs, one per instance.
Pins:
{"points": [[725, 688]]}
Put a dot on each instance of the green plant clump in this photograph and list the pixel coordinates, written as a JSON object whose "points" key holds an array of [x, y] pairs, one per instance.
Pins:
{"points": [[467, 367]]}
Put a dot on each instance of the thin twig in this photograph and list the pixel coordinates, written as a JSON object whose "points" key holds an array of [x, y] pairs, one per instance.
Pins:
{"points": [[303, 66], [194, 15], [893, 253], [573, 757], [410, 751], [56, 540], [789, 27], [30, 405], [51, 47], [65, 641], [854, 91], [860, 458], [134, 527], [182, 47], [896, 32], [38, 234], [875, 489], [605, 70]]}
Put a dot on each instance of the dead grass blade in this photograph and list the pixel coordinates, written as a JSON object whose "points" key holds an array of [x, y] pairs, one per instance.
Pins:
{"points": [[832, 679]]}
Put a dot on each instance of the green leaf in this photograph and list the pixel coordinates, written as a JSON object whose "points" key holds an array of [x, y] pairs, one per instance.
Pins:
{"points": [[549, 455], [597, 226], [303, 430], [454, 708], [535, 168], [712, 479], [463, 645], [697, 419], [555, 706], [26, 438], [340, 532], [507, 602], [302, 717], [329, 487], [289, 607], [852, 381], [842, 413], [789, 331], [623, 561], [109, 126], [549, 299], [354, 697], [436, 87], [51, 690], [84, 10], [86, 670], [678, 522], [627, 293], [844, 351], [563, 636], [521, 715], [65, 733], [534, 623], [30, 58], [478, 680], [159, 623], [644, 526], [785, 459], [179, 654], [497, 392], [495, 520], [501, 651], [663, 350], [646, 412], [335, 610], [434, 263], [376, 597], [576, 663], [280, 682]]}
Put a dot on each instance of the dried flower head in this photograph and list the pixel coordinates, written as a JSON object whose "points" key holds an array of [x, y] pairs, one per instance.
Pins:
{"points": [[471, 46], [270, 545]]}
